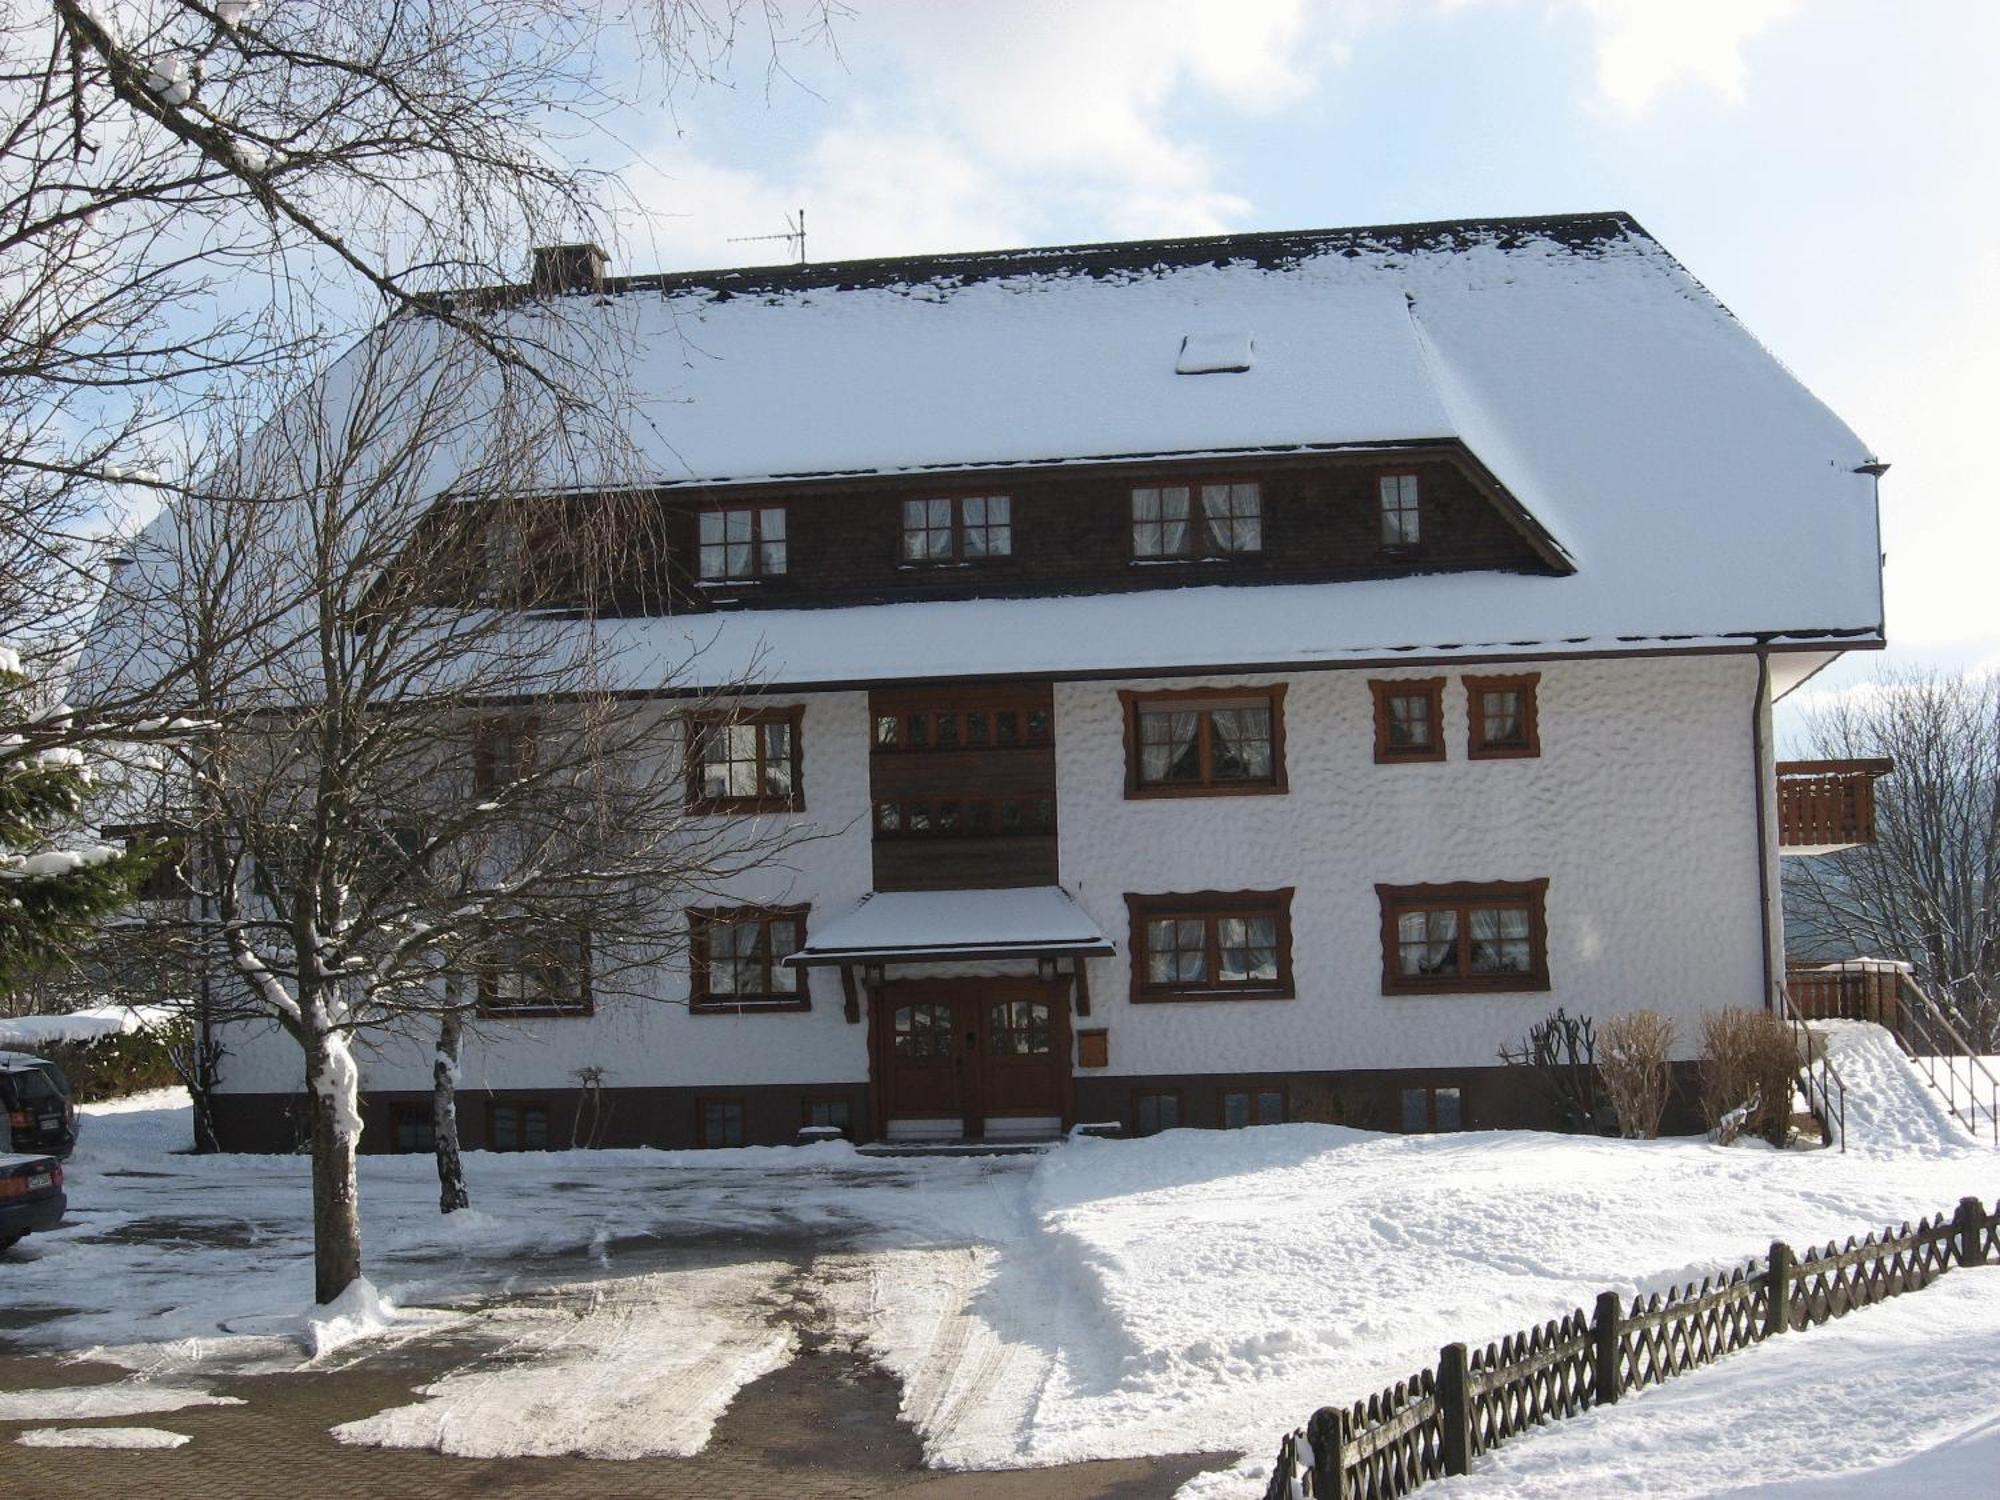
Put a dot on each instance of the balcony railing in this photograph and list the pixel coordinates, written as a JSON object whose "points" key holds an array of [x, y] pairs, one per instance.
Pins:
{"points": [[1824, 805]]}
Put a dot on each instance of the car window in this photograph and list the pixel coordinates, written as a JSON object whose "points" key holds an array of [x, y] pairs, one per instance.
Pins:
{"points": [[32, 1086]]}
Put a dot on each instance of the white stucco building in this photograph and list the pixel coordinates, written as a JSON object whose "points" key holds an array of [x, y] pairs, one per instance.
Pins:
{"points": [[1232, 680]]}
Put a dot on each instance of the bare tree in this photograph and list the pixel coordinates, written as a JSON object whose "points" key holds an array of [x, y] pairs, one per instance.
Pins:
{"points": [[1927, 890], [421, 788], [197, 193]]}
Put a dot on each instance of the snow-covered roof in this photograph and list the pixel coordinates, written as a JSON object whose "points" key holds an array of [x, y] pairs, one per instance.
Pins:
{"points": [[80, 1025], [902, 926], [1705, 496]]}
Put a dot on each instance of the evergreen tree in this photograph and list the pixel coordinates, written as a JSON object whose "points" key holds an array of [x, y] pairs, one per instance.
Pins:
{"points": [[54, 888]]}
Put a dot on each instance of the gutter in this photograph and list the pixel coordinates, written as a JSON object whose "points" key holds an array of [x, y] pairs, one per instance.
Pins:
{"points": [[1758, 750]]}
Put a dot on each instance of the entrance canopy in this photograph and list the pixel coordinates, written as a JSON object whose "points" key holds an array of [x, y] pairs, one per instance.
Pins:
{"points": [[940, 926]]}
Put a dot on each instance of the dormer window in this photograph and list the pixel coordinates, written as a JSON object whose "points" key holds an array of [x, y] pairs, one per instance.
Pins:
{"points": [[1402, 522], [1203, 520], [958, 528], [742, 543]]}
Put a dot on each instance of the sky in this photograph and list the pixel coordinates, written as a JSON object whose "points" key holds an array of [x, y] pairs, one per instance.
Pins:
{"points": [[1824, 166]]}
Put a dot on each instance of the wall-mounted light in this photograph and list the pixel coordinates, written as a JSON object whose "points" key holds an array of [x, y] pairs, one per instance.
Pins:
{"points": [[1048, 968], [871, 975]]}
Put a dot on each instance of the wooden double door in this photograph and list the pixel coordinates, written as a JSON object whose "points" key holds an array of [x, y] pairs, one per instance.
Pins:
{"points": [[981, 1052]]}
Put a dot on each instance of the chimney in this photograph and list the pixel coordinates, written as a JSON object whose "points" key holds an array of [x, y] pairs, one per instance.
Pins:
{"points": [[568, 268]]}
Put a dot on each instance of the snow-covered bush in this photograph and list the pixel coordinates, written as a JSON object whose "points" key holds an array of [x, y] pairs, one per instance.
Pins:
{"points": [[1748, 1061], [112, 1066], [1638, 1076]]}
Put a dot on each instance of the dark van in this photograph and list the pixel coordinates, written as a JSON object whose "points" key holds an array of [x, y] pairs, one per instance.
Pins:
{"points": [[35, 1097]]}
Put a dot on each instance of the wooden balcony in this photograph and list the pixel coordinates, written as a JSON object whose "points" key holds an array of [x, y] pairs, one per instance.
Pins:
{"points": [[1863, 991], [1825, 805]]}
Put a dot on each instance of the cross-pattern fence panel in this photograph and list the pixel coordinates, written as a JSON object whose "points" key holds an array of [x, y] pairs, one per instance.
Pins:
{"points": [[1669, 1334], [1437, 1422], [1531, 1378], [1839, 1279]]}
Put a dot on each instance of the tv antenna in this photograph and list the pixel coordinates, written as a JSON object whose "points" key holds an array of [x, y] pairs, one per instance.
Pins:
{"points": [[795, 234]]}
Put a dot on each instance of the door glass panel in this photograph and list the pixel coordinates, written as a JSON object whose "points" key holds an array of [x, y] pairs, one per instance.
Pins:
{"points": [[1020, 1028], [923, 1031]]}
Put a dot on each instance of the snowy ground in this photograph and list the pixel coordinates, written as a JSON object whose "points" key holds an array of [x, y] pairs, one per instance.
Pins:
{"points": [[1802, 1418], [1194, 1292]]}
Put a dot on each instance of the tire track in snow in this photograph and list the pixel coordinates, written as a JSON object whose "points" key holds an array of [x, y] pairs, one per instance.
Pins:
{"points": [[634, 1368]]}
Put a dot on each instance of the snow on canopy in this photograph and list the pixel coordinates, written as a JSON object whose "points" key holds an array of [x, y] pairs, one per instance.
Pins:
{"points": [[1704, 496], [938, 924]]}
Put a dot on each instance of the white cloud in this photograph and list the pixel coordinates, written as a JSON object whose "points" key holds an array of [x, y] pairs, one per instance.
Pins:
{"points": [[1647, 49], [972, 126]]}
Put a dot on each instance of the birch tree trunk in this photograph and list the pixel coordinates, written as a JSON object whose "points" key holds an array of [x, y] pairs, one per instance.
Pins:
{"points": [[452, 1194], [333, 1087]]}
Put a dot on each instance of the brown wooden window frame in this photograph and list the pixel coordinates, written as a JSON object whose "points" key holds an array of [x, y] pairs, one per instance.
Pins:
{"points": [[521, 1108], [421, 1120], [723, 1101], [1252, 1093], [1199, 545], [699, 726], [1210, 908], [1027, 734], [490, 969], [1431, 688], [917, 819], [1462, 898], [1175, 1093], [955, 529], [512, 740], [1430, 1091], [1388, 509], [1204, 702], [823, 1100], [703, 1002], [760, 567], [1477, 746]]}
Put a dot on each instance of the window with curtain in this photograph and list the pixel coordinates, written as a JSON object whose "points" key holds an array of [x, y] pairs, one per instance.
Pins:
{"points": [[1210, 519], [958, 528], [742, 542], [1464, 937], [745, 762], [735, 959], [1501, 717], [539, 974], [1402, 519], [1409, 719], [1211, 945], [1204, 742]]}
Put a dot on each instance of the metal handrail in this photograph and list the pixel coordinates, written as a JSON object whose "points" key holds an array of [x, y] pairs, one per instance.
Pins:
{"points": [[1916, 1006], [1830, 1107]]}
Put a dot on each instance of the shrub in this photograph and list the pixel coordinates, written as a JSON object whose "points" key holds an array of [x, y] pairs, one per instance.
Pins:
{"points": [[1560, 1054], [1637, 1073], [110, 1067], [1748, 1061]]}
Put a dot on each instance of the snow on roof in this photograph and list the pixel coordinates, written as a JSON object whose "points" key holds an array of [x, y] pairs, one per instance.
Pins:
{"points": [[29, 1032], [1703, 495], [904, 925]]}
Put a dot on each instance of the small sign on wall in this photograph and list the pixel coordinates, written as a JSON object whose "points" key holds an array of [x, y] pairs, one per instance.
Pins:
{"points": [[1093, 1048]]}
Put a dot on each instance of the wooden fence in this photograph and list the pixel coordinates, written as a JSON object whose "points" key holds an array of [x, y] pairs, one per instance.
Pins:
{"points": [[1438, 1421]]}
